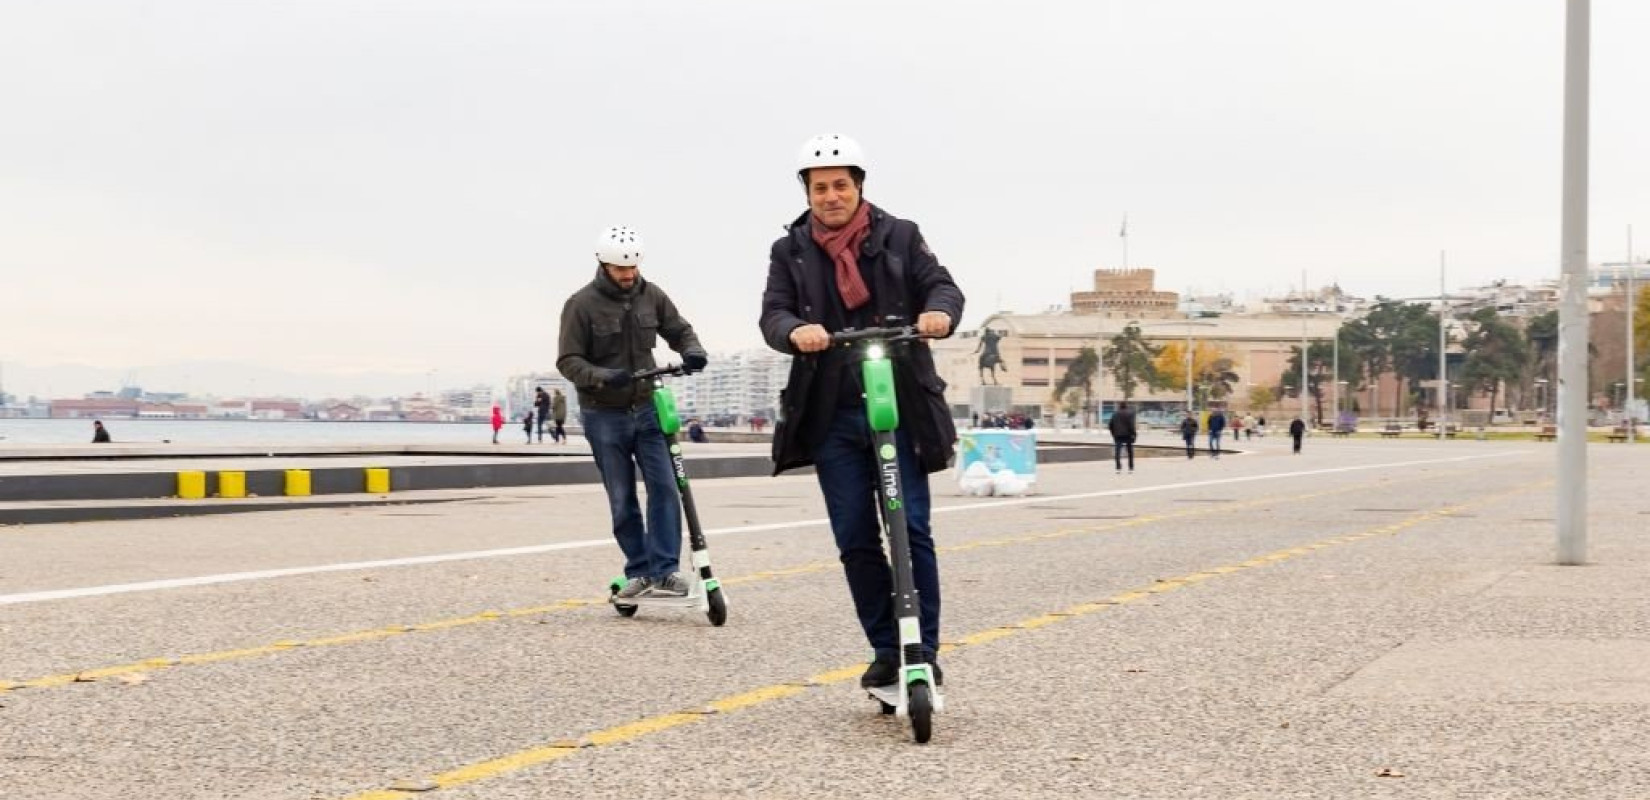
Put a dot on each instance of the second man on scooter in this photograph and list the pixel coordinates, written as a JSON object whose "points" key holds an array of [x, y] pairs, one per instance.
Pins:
{"points": [[608, 330]]}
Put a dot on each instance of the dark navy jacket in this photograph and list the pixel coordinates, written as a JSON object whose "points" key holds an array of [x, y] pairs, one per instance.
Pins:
{"points": [[905, 279]]}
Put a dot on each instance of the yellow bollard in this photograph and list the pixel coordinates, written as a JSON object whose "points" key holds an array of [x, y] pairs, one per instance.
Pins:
{"points": [[191, 484], [231, 484], [378, 480], [297, 483]]}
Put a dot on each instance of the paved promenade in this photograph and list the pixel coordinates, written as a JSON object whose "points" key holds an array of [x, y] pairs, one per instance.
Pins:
{"points": [[1368, 619]]}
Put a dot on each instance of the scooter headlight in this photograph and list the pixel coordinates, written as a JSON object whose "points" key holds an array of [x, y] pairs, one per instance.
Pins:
{"points": [[875, 352]]}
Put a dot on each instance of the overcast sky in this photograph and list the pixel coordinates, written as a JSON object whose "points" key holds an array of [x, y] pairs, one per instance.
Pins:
{"points": [[331, 189]]}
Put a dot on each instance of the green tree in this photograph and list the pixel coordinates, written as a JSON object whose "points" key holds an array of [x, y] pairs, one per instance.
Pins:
{"points": [[1319, 358], [1369, 356], [1216, 381], [1262, 397], [1542, 354], [1078, 381], [1130, 360], [1641, 338], [1496, 354], [1397, 337]]}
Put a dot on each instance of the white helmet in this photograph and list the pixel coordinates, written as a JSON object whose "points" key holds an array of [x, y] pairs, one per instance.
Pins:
{"points": [[830, 150], [619, 246]]}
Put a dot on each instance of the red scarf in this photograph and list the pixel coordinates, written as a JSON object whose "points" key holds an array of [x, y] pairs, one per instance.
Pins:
{"points": [[842, 245]]}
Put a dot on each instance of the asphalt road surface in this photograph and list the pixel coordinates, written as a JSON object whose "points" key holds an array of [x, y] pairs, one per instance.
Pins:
{"points": [[1367, 619]]}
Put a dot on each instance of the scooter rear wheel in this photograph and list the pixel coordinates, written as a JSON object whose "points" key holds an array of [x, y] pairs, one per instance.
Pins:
{"points": [[922, 711], [718, 612]]}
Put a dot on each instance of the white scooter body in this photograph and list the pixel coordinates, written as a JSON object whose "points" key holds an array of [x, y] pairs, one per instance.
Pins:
{"points": [[696, 597], [895, 696]]}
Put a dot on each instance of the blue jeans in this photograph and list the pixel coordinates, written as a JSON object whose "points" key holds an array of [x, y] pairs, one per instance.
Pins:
{"points": [[847, 475], [622, 440], [1214, 442]]}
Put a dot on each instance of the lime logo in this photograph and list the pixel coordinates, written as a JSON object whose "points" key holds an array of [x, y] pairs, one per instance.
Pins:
{"points": [[676, 449], [887, 452]]}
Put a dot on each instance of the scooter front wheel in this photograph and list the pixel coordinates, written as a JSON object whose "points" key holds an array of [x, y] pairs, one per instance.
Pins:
{"points": [[624, 610], [718, 612], [921, 710]]}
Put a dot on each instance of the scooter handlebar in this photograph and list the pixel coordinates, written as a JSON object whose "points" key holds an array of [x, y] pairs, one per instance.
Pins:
{"points": [[659, 372], [901, 334]]}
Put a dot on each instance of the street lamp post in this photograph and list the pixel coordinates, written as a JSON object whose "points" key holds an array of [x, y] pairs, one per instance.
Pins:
{"points": [[1188, 365], [1629, 266], [1306, 414], [1571, 527], [1336, 372], [1443, 342]]}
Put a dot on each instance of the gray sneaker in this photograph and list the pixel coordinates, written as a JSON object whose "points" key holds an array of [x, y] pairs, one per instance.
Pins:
{"points": [[672, 585], [633, 588]]}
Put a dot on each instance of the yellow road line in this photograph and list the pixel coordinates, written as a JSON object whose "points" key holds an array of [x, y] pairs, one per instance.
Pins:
{"points": [[631, 731], [376, 634]]}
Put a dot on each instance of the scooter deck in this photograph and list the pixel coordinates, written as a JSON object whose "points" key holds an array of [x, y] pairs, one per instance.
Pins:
{"points": [[693, 599]]}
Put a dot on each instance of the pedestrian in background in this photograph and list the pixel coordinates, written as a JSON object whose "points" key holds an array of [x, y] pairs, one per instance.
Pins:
{"points": [[1297, 429], [558, 415], [100, 434], [1217, 426], [1123, 432], [498, 422], [541, 404], [1188, 431]]}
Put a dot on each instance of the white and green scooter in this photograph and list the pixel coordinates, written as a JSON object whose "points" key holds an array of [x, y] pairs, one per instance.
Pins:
{"points": [[705, 593], [915, 694]]}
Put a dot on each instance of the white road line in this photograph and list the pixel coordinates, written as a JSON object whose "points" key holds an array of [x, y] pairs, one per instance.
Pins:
{"points": [[259, 575]]}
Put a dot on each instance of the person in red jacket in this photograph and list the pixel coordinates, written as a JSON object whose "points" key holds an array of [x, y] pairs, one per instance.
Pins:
{"points": [[498, 422]]}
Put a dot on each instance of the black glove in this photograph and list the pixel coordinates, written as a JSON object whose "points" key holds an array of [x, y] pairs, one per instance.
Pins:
{"points": [[694, 360], [615, 378]]}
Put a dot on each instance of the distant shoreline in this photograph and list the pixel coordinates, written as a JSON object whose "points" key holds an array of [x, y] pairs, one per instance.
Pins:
{"points": [[475, 421]]}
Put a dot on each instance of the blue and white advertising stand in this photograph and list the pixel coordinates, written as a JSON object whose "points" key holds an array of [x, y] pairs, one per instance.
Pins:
{"points": [[996, 462]]}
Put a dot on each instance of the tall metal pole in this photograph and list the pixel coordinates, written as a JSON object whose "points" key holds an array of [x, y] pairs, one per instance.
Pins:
{"points": [[1188, 363], [1632, 300], [1572, 317], [1306, 411], [1443, 342], [1335, 387]]}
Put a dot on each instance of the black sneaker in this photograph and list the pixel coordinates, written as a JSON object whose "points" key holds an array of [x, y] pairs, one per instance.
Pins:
{"points": [[884, 671], [939, 674]]}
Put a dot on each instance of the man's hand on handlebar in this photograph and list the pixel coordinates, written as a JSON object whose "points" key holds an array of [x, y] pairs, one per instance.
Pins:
{"points": [[810, 338], [934, 324]]}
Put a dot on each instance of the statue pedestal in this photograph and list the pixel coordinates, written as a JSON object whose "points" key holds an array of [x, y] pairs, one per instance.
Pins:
{"points": [[990, 399]]}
